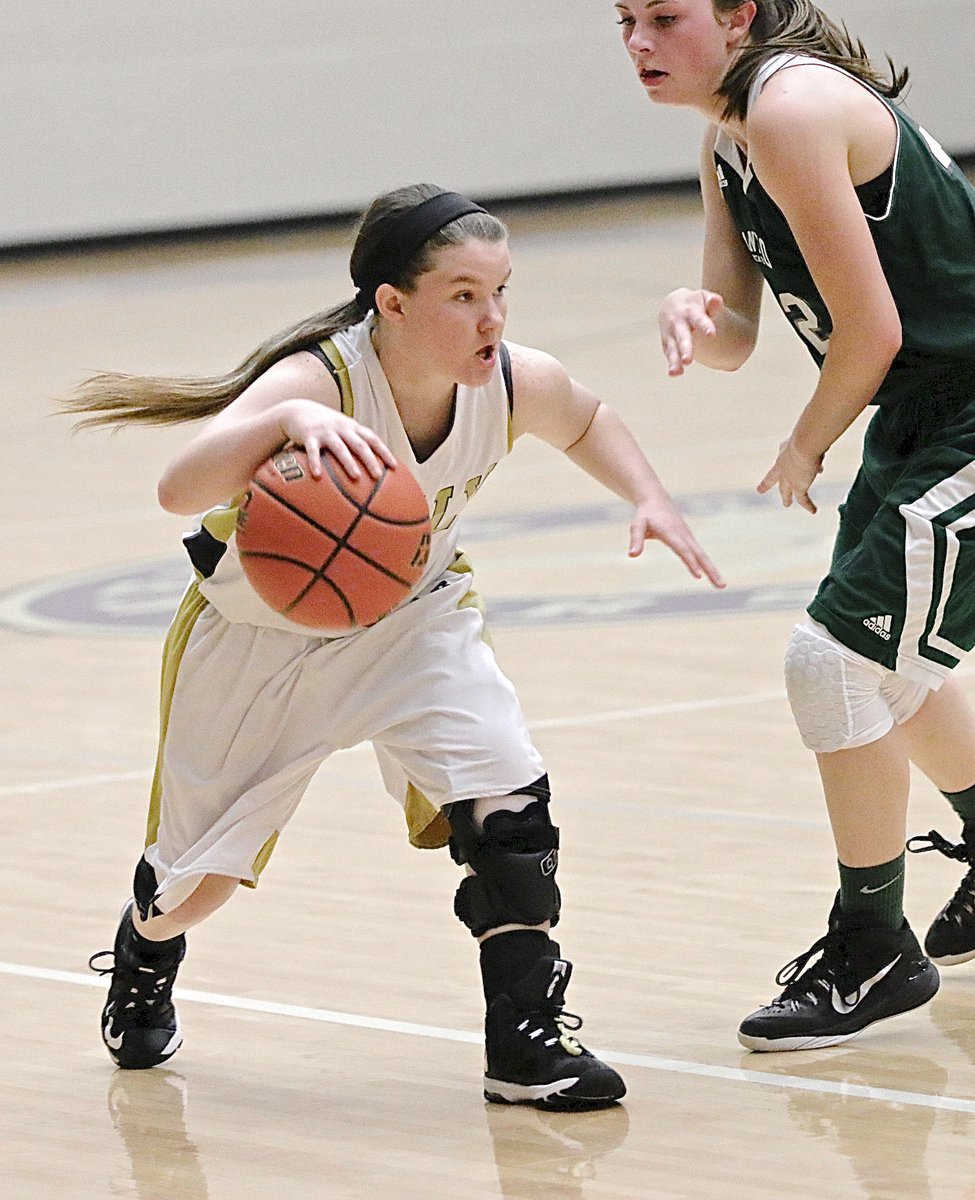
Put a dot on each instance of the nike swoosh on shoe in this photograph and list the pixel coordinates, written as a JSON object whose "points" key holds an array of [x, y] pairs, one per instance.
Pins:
{"points": [[844, 1007]]}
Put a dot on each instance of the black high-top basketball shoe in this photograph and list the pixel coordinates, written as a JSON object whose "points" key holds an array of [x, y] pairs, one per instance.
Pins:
{"points": [[139, 1023], [849, 979], [531, 1055], [951, 938]]}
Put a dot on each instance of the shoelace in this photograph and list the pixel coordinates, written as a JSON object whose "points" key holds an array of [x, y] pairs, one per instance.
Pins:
{"points": [[964, 896], [797, 978], [145, 986], [960, 852], [565, 1022]]}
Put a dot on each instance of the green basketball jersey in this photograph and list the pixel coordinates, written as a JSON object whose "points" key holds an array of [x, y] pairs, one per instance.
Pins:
{"points": [[922, 218]]}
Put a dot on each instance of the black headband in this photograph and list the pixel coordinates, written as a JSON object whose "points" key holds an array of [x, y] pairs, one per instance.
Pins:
{"points": [[402, 238]]}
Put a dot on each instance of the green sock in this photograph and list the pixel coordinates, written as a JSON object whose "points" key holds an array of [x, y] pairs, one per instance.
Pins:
{"points": [[963, 803], [876, 891]]}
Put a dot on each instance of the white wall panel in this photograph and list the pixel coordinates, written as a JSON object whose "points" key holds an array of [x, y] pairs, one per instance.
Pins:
{"points": [[124, 116]]}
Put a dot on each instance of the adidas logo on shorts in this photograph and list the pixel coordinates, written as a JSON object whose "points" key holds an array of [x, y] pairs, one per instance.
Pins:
{"points": [[879, 625]]}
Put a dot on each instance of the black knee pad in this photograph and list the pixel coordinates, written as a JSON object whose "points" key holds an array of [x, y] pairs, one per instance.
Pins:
{"points": [[514, 857]]}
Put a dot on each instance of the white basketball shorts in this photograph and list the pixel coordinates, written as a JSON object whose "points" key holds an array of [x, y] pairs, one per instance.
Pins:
{"points": [[253, 712]]}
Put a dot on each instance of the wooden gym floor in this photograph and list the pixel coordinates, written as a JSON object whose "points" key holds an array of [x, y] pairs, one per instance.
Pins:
{"points": [[332, 1016]]}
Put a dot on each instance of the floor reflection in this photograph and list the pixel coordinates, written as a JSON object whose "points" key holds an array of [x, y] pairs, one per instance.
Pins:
{"points": [[148, 1111], [952, 1015], [551, 1156], [884, 1142]]}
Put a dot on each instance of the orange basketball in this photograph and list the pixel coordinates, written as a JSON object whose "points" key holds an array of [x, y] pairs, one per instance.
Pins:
{"points": [[333, 553]]}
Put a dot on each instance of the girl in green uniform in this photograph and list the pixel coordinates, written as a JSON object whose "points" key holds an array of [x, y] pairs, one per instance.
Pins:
{"points": [[815, 181]]}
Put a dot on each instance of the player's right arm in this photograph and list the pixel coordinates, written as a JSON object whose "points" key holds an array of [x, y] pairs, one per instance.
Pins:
{"points": [[562, 412], [295, 400], [717, 323]]}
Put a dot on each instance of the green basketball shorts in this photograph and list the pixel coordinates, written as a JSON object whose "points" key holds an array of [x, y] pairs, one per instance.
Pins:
{"points": [[901, 584]]}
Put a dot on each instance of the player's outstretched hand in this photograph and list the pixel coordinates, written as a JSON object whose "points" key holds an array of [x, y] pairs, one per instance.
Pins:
{"points": [[663, 523], [794, 473], [317, 428], [684, 313]]}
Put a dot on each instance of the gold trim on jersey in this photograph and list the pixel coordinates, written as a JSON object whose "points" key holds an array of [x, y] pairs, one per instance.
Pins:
{"points": [[260, 862], [221, 522], [188, 613], [462, 565], [428, 828], [190, 608], [340, 375]]}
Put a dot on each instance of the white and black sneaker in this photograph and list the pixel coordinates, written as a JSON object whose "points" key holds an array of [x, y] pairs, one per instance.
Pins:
{"points": [[951, 938], [531, 1055], [849, 979], [140, 1027]]}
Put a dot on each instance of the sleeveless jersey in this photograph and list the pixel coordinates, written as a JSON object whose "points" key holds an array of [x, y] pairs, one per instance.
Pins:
{"points": [[924, 233], [478, 439]]}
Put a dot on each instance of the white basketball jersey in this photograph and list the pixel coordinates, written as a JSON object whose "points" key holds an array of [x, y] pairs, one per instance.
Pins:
{"points": [[479, 438]]}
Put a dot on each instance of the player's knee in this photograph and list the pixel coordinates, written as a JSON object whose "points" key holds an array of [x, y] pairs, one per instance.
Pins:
{"points": [[511, 846], [835, 693]]}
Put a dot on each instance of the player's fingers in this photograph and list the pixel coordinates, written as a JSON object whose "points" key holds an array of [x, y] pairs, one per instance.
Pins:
{"points": [[672, 353], [313, 454], [697, 562], [700, 322], [708, 568], [768, 481], [362, 445], [379, 447], [366, 455], [638, 536], [338, 447], [683, 543], [690, 561]]}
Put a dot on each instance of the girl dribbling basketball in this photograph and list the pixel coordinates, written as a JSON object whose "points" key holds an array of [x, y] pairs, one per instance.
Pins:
{"points": [[414, 369]]}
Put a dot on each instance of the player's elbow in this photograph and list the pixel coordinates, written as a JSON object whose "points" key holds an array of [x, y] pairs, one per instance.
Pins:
{"points": [[728, 353], [731, 362], [892, 338], [734, 343], [877, 335], [173, 499], [879, 342]]}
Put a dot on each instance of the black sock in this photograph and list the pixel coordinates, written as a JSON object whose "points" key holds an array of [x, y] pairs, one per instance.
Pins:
{"points": [[506, 958], [963, 803], [155, 952]]}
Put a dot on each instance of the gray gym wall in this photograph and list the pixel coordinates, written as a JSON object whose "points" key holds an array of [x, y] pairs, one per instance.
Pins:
{"points": [[124, 116]]}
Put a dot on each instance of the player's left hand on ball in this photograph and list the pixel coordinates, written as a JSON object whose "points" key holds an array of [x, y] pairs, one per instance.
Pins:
{"points": [[665, 524], [794, 473]]}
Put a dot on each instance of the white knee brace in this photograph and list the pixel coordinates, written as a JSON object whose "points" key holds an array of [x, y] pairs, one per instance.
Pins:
{"points": [[903, 697], [840, 699]]}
